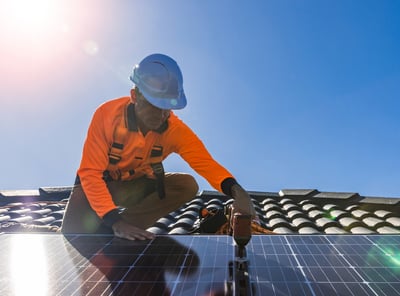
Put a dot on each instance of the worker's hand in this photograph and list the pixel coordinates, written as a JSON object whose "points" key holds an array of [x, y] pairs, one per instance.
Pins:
{"points": [[125, 230], [242, 201]]}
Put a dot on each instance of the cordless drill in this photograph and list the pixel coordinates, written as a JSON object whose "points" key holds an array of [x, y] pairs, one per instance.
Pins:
{"points": [[241, 228]]}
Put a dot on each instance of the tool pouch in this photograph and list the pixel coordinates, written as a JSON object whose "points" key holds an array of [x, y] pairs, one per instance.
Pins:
{"points": [[210, 221]]}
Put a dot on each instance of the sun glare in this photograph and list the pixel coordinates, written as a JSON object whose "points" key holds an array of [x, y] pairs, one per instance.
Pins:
{"points": [[29, 274], [32, 20]]}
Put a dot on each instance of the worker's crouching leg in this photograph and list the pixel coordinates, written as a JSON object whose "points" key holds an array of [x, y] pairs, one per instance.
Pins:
{"points": [[179, 189], [79, 216]]}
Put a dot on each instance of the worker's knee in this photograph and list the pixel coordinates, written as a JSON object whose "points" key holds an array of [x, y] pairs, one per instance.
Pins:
{"points": [[183, 185], [191, 185]]}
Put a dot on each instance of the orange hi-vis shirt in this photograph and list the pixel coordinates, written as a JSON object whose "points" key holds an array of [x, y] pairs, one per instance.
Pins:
{"points": [[175, 136]]}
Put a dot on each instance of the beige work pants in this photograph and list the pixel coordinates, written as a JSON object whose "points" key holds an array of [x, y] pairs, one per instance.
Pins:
{"points": [[139, 197]]}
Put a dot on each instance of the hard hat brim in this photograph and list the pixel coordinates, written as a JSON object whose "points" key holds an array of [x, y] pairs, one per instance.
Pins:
{"points": [[166, 103]]}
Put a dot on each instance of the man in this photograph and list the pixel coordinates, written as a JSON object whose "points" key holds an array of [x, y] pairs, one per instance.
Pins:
{"points": [[121, 185]]}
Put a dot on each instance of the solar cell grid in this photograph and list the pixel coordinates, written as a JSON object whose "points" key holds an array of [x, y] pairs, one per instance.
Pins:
{"points": [[198, 265]]}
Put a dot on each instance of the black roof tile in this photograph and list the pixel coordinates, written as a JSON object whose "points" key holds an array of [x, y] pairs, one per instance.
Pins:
{"points": [[380, 201], [179, 230], [271, 206], [316, 214], [338, 214], [298, 193], [283, 230], [57, 214], [375, 222], [352, 207], [24, 194], [268, 200], [310, 207], [395, 221], [348, 223], [334, 230], [55, 193], [387, 230], [336, 196], [274, 214], [325, 223], [284, 201], [4, 218], [308, 230], [330, 207], [279, 222], [385, 214], [44, 220], [157, 230], [262, 195], [290, 207], [302, 222], [361, 214], [361, 230], [292, 214], [22, 219], [289, 211]]}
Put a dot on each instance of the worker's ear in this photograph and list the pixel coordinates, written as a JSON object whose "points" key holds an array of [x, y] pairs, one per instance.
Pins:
{"points": [[133, 96]]}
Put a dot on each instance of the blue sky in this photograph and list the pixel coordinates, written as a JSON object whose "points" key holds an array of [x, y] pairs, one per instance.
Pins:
{"points": [[285, 94]]}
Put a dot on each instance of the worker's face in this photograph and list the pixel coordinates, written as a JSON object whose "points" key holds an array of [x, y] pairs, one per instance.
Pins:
{"points": [[151, 116]]}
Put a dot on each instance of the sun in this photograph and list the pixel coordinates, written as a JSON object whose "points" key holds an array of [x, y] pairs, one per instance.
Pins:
{"points": [[32, 20]]}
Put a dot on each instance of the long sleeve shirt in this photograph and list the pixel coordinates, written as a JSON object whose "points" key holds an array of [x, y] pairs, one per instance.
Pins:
{"points": [[174, 136]]}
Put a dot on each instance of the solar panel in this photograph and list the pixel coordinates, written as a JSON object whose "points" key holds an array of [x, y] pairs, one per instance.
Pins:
{"points": [[53, 264]]}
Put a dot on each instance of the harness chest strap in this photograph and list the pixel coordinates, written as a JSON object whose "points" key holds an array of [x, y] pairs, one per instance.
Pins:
{"points": [[115, 152]]}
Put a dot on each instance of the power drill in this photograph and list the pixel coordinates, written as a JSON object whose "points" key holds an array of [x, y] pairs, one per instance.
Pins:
{"points": [[241, 231], [239, 279]]}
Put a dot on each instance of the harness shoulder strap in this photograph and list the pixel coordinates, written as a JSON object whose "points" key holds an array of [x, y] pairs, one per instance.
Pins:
{"points": [[114, 154]]}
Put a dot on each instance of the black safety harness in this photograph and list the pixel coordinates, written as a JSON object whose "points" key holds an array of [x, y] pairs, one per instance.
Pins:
{"points": [[128, 124]]}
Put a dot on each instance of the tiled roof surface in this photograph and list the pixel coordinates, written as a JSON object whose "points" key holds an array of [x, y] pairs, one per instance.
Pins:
{"points": [[304, 211]]}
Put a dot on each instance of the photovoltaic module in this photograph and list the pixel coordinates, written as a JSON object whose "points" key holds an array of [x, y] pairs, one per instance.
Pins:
{"points": [[53, 264]]}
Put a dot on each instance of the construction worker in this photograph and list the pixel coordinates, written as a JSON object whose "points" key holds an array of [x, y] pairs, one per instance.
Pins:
{"points": [[121, 186]]}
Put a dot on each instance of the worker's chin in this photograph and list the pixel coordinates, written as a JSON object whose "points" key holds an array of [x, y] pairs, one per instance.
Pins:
{"points": [[153, 125]]}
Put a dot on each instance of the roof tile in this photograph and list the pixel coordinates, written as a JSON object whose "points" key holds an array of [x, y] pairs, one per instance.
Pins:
{"points": [[330, 207], [375, 222], [270, 207], [279, 222], [337, 196], [352, 207], [385, 214], [338, 214], [395, 221], [361, 230], [388, 230], [335, 230], [283, 230], [298, 193], [308, 230], [289, 211], [302, 222], [274, 214], [348, 222], [360, 214], [44, 220], [316, 214], [326, 223], [290, 207], [309, 207], [296, 214], [380, 201]]}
